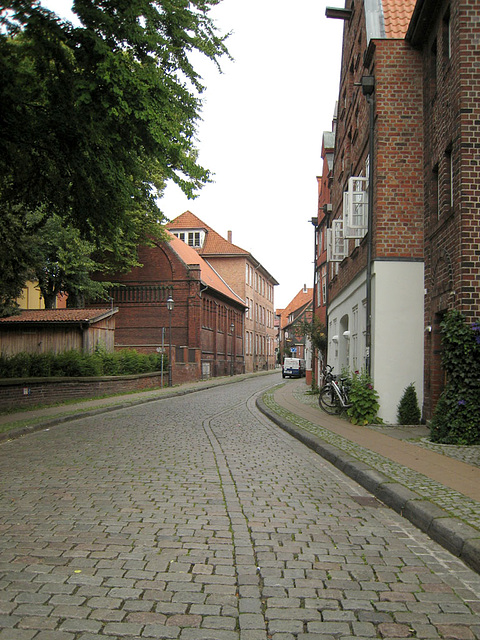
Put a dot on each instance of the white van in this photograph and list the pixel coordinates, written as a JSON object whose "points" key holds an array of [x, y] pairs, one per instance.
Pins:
{"points": [[293, 368]]}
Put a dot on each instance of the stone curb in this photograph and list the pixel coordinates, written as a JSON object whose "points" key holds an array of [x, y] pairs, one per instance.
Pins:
{"points": [[451, 533]]}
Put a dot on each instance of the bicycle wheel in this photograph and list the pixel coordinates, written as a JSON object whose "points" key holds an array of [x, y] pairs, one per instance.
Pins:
{"points": [[328, 400]]}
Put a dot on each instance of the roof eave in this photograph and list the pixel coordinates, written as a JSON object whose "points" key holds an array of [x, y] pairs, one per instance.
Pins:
{"points": [[421, 21]]}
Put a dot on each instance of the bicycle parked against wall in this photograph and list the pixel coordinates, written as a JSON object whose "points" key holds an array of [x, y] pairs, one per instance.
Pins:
{"points": [[333, 398]]}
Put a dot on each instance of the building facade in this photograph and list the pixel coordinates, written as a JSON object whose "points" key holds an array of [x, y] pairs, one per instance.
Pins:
{"points": [[203, 333], [447, 33], [321, 223], [291, 341], [375, 235], [245, 276]]}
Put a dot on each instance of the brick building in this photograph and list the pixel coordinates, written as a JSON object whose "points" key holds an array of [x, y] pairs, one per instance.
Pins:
{"points": [[446, 33], [207, 321], [321, 223], [290, 341], [375, 239], [246, 276]]}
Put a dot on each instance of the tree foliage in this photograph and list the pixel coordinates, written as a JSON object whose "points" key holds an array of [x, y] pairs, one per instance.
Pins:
{"points": [[408, 411], [315, 330], [63, 264], [96, 118]]}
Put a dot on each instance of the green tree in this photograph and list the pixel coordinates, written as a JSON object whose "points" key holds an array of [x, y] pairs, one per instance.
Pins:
{"points": [[15, 260], [62, 263], [315, 330], [96, 118], [408, 411]]}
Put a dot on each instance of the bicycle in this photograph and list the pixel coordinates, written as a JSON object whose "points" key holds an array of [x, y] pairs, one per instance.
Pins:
{"points": [[333, 398]]}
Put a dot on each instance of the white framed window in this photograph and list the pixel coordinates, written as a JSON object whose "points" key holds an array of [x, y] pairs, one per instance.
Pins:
{"points": [[194, 238], [355, 208], [335, 241], [354, 339]]}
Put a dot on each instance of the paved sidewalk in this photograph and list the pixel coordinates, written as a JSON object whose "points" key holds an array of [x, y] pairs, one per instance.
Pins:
{"points": [[436, 487]]}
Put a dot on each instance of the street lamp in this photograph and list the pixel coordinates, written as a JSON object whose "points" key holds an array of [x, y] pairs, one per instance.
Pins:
{"points": [[170, 305], [232, 329]]}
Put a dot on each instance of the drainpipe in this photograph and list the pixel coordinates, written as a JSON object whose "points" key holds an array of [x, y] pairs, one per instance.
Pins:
{"points": [[314, 221], [368, 87]]}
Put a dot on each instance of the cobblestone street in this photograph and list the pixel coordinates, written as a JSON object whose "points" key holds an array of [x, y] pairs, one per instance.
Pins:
{"points": [[196, 518]]}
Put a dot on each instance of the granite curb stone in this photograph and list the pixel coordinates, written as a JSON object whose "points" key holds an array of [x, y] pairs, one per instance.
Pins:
{"points": [[457, 537]]}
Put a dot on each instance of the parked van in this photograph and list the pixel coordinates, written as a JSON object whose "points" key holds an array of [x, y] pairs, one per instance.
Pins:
{"points": [[293, 368]]}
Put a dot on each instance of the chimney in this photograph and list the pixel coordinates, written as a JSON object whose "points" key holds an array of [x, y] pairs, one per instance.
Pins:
{"points": [[304, 288], [229, 236]]}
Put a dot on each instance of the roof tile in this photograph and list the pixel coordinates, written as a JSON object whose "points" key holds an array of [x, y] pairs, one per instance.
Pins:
{"points": [[57, 315], [302, 298], [208, 274], [214, 244], [397, 15]]}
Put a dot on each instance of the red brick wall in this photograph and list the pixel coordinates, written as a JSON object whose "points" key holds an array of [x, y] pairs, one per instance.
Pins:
{"points": [[452, 228], [141, 300], [31, 392], [398, 157]]}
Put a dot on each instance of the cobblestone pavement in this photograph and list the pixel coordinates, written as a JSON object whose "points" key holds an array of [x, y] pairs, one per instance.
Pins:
{"points": [[195, 518]]}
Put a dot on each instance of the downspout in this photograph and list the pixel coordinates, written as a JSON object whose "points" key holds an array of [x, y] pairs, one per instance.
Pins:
{"points": [[368, 87], [314, 221]]}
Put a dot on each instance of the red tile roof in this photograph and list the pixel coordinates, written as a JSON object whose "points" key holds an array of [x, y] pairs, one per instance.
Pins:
{"points": [[59, 315], [214, 243], [397, 14], [208, 275], [303, 298]]}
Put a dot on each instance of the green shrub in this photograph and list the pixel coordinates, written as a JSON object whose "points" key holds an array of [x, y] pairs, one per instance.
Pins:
{"points": [[364, 400], [408, 411], [456, 416], [77, 364], [129, 361], [19, 365], [111, 364]]}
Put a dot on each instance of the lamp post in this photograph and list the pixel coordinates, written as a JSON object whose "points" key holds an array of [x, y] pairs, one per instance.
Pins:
{"points": [[232, 329], [170, 305]]}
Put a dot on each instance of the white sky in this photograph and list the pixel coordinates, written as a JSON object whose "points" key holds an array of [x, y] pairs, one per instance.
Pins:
{"points": [[261, 132]]}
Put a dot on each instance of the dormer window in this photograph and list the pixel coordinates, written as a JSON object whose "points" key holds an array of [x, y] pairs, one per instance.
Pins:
{"points": [[192, 238]]}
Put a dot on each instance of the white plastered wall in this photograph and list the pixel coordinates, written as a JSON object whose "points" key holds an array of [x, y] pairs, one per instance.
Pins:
{"points": [[397, 331], [340, 353]]}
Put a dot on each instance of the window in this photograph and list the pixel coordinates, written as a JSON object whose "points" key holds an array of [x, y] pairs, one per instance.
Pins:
{"points": [[355, 208], [354, 338], [335, 242], [194, 239], [324, 286]]}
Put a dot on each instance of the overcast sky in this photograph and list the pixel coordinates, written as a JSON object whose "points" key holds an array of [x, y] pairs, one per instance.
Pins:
{"points": [[261, 132]]}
